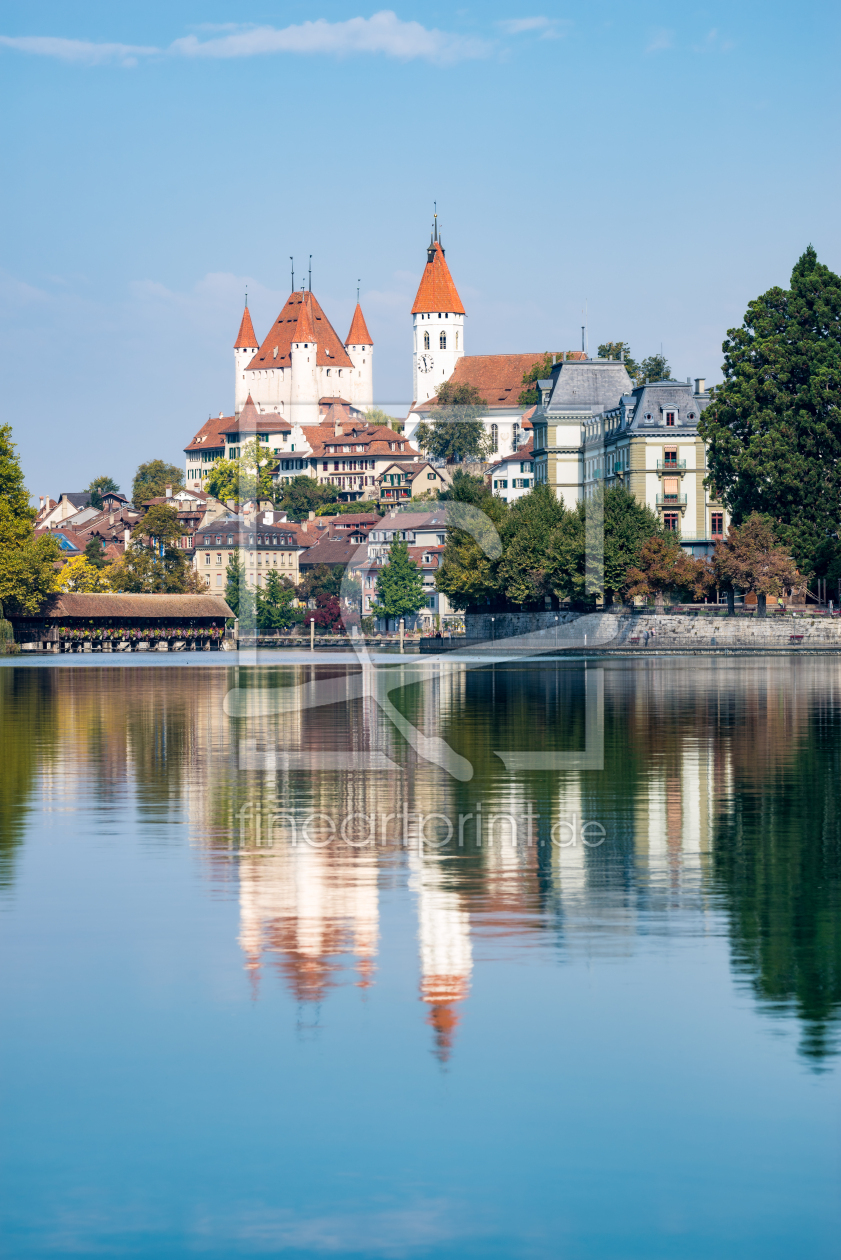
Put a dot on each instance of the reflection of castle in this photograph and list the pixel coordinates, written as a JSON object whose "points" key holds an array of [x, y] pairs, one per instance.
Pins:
{"points": [[446, 954]]}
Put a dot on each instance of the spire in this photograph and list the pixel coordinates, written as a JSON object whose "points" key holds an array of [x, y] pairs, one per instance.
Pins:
{"points": [[249, 415], [246, 339], [436, 291], [303, 329], [358, 335]]}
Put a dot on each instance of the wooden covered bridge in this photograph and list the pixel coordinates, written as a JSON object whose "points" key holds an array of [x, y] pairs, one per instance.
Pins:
{"points": [[126, 623]]}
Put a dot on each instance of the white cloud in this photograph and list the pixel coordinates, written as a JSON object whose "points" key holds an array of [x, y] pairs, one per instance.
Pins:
{"points": [[383, 33], [549, 28], [77, 50], [715, 42], [661, 39]]}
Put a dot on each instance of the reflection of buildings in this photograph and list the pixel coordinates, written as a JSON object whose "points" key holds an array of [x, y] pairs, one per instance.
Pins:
{"points": [[446, 954], [303, 908]]}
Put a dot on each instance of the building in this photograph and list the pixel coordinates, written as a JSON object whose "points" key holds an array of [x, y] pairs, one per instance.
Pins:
{"points": [[513, 476], [302, 360], [400, 482], [592, 427], [264, 541], [438, 322]]}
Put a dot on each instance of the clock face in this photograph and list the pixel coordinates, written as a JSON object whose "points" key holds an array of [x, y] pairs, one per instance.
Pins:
{"points": [[425, 363]]}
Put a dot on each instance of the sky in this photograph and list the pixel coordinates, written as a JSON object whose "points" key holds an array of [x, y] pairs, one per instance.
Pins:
{"points": [[656, 165]]}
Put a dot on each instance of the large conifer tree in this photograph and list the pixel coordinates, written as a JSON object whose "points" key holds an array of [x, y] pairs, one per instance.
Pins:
{"points": [[774, 427]]}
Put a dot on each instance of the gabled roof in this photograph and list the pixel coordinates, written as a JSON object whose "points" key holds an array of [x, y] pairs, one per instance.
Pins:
{"points": [[498, 378], [522, 452], [250, 420], [437, 291], [246, 339], [358, 335], [291, 325], [212, 433]]}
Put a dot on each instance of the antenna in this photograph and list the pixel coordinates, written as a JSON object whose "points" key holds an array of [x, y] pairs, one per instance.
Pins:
{"points": [[292, 260], [357, 291], [310, 273], [435, 219], [246, 297]]}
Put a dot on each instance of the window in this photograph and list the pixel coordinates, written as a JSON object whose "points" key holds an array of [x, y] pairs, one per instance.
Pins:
{"points": [[426, 340], [670, 521], [430, 476], [442, 341], [456, 341], [670, 457], [717, 524], [670, 419], [207, 558], [500, 485], [218, 579], [494, 438], [671, 485], [218, 539]]}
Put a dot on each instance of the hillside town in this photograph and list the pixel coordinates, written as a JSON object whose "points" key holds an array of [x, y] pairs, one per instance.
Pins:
{"points": [[308, 483]]}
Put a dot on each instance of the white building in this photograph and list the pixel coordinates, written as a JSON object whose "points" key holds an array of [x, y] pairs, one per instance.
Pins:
{"points": [[301, 361], [438, 317]]}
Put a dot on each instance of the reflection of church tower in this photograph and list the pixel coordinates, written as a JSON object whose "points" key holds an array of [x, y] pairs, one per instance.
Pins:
{"points": [[445, 950], [438, 318]]}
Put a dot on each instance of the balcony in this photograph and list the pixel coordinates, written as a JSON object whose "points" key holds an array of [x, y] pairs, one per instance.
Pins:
{"points": [[678, 465], [671, 500]]}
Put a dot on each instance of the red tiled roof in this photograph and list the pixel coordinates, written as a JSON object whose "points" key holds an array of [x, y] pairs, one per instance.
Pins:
{"points": [[301, 319], [374, 438], [436, 291], [358, 335], [522, 452], [245, 337], [498, 377], [212, 434]]}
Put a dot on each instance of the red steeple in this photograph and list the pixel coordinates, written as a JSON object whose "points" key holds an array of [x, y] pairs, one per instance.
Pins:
{"points": [[358, 335], [436, 291], [246, 339]]}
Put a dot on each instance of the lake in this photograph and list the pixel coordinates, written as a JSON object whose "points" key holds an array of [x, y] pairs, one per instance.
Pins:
{"points": [[475, 959]]}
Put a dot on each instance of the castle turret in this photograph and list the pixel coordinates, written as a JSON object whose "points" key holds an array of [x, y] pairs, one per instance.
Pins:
{"points": [[360, 348], [438, 317], [303, 353], [245, 348]]}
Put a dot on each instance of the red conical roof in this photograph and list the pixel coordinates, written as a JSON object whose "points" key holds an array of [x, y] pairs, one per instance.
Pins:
{"points": [[358, 335], [246, 339], [436, 291], [304, 329]]}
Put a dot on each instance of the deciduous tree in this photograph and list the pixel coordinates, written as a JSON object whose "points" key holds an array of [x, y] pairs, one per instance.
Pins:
{"points": [[27, 564], [80, 575], [399, 584], [304, 495], [456, 432], [152, 479], [276, 604], [98, 487], [751, 560]]}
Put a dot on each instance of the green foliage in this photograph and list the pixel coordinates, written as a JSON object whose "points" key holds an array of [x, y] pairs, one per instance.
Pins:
{"points": [[376, 416], [304, 495], [160, 524], [98, 487], [654, 368], [627, 526], [27, 564], [276, 604], [152, 479], [235, 582], [466, 488], [82, 576], [524, 572], [324, 579], [750, 559], [95, 553], [621, 350], [456, 432], [343, 509], [539, 371], [773, 428], [154, 562], [469, 572], [665, 566], [245, 478], [399, 584]]}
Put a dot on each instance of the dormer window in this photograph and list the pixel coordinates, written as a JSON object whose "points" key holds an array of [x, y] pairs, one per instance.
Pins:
{"points": [[670, 419]]}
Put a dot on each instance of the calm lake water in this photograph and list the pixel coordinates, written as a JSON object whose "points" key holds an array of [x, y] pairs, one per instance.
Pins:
{"points": [[233, 1026]]}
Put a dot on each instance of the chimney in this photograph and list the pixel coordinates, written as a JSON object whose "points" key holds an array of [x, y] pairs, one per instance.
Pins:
{"points": [[304, 526], [169, 492], [268, 518], [232, 504], [311, 516], [700, 385], [126, 536], [111, 518]]}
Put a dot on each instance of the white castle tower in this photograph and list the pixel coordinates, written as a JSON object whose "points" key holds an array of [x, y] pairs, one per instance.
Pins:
{"points": [[302, 360], [438, 317]]}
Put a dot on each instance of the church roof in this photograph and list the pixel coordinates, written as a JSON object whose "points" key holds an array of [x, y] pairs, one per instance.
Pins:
{"points": [[245, 337], [301, 319], [436, 291], [498, 377], [358, 335]]}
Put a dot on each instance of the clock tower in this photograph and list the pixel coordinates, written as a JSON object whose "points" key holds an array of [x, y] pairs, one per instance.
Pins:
{"points": [[438, 317]]}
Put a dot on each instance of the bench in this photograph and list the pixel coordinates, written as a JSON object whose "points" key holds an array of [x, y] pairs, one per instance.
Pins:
{"points": [[795, 638], [634, 638]]}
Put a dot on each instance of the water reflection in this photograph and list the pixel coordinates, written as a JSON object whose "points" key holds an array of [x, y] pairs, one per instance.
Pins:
{"points": [[718, 802]]}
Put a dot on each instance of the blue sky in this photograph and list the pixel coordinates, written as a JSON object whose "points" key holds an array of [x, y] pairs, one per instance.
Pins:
{"points": [[663, 163]]}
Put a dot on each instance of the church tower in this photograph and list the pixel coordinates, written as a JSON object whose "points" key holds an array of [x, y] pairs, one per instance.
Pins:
{"points": [[438, 317], [360, 348], [245, 348]]}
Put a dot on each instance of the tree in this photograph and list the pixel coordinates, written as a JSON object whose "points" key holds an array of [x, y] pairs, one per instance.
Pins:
{"points": [[469, 571], [27, 563], [276, 604], [324, 579], [399, 584], [539, 371], [664, 566], [81, 576], [154, 562], [98, 487], [247, 477], [456, 432], [773, 428], [376, 416], [327, 613], [654, 368], [524, 571], [750, 559], [620, 350], [152, 479], [627, 526], [360, 505], [304, 495], [235, 583], [95, 553]]}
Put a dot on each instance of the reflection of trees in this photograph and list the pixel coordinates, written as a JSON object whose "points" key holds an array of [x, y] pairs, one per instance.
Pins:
{"points": [[27, 739]]}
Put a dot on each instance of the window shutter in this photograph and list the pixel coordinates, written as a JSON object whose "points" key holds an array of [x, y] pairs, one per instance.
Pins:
{"points": [[670, 485]]}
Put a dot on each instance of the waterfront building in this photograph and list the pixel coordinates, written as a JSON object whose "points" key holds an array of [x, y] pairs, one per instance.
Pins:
{"points": [[264, 541]]}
